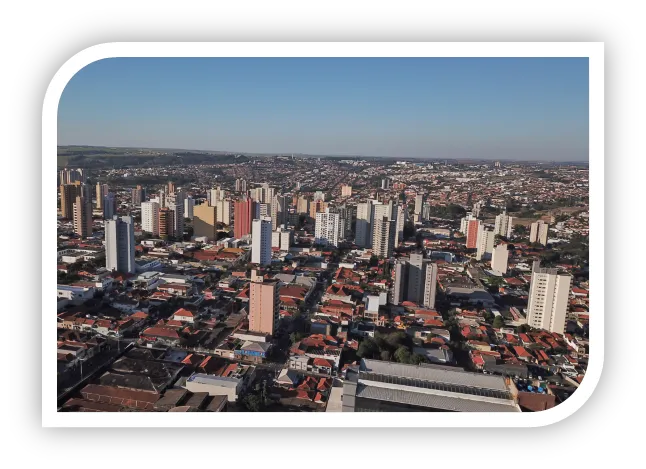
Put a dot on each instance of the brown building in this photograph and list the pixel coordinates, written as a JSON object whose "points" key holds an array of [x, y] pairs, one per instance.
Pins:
{"points": [[101, 193], [205, 221], [82, 213], [69, 193], [138, 195], [264, 305], [171, 187], [316, 207], [166, 223]]}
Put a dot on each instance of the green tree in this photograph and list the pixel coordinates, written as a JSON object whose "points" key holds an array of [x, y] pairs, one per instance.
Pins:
{"points": [[498, 322], [402, 355], [367, 348], [385, 355], [252, 402], [374, 261], [394, 340], [417, 359]]}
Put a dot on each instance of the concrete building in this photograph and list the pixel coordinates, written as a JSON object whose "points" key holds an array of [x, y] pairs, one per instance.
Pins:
{"points": [[278, 211], [415, 280], [464, 222], [549, 294], [139, 196], [223, 212], [302, 205], [385, 183], [189, 204], [120, 245], [264, 305], [378, 386], [241, 185], [243, 214], [71, 175], [261, 241], [69, 193], [317, 206], [150, 217], [215, 195], [346, 190], [384, 233], [101, 192], [419, 203], [485, 243], [205, 221], [538, 232], [364, 224], [500, 258], [109, 205], [503, 225], [402, 218], [329, 228], [282, 238], [166, 223], [178, 219], [473, 228], [83, 216]]}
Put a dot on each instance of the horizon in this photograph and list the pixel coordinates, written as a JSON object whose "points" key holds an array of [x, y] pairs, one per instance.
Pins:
{"points": [[520, 109]]}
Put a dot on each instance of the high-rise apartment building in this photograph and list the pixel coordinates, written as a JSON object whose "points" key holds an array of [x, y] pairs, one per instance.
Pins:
{"points": [[223, 211], [178, 219], [504, 225], [383, 237], [419, 203], [549, 294], [303, 205], [364, 225], [150, 217], [319, 195], [500, 258], [317, 206], [415, 280], [166, 223], [346, 190], [473, 228], [244, 210], [385, 183], [69, 193], [402, 218], [485, 242], [278, 211], [109, 206], [264, 305], [464, 223], [120, 245], [329, 228], [71, 175], [83, 216], [261, 241], [189, 204], [171, 187], [205, 222], [139, 196], [101, 192], [263, 210], [241, 185], [538, 232]]}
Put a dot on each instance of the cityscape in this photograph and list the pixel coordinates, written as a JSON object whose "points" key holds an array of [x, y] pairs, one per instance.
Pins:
{"points": [[222, 281]]}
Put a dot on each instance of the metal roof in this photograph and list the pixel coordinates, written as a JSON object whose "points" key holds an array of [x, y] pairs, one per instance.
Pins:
{"points": [[432, 401], [433, 374]]}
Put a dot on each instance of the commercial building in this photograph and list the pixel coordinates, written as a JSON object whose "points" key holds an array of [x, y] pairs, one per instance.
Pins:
{"points": [[329, 228], [150, 217], [549, 294], [261, 241], [503, 225], [538, 232], [264, 305], [415, 280], [244, 210], [83, 216], [205, 221], [378, 386], [120, 245]]}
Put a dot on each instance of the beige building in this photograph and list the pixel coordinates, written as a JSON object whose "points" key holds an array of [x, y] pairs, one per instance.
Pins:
{"points": [[549, 293], [346, 191], [500, 259], [205, 221], [538, 232], [383, 237], [264, 304], [69, 193], [83, 217], [101, 193]]}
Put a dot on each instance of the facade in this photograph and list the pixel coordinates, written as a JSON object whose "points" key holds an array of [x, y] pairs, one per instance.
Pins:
{"points": [[261, 241], [243, 214], [83, 216], [402, 218], [120, 245], [101, 192], [178, 218], [241, 185], [71, 175], [205, 221], [329, 228], [166, 223], [69, 193], [485, 242], [503, 225], [384, 234], [223, 212], [317, 206], [378, 386], [150, 217], [278, 211], [302, 205], [264, 304], [472, 230], [500, 258], [189, 204], [138, 196], [549, 294], [364, 224], [109, 205], [346, 191], [538, 232], [415, 280]]}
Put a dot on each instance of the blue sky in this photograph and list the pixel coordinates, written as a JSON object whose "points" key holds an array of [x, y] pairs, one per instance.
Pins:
{"points": [[507, 108]]}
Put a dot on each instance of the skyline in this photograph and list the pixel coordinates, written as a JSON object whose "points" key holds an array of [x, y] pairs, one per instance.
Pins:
{"points": [[462, 108]]}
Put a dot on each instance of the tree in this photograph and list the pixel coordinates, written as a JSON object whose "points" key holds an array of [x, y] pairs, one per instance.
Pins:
{"points": [[417, 359], [402, 355], [524, 328], [520, 230], [385, 355], [498, 322], [394, 340], [374, 261], [252, 402], [367, 348]]}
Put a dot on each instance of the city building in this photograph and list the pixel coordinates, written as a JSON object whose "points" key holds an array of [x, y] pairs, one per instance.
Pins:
{"points": [[150, 217], [83, 216], [379, 386], [538, 232], [241, 185], [473, 229], [71, 175], [317, 206], [264, 304], [385, 183], [139, 196], [223, 212], [189, 204], [69, 193], [415, 281], [329, 228], [244, 210], [120, 245], [419, 203], [547, 304], [166, 223], [346, 190], [278, 211], [384, 233], [485, 242], [303, 205], [205, 222], [500, 258], [215, 195], [178, 218], [503, 225], [101, 192], [363, 225], [109, 206], [261, 241]]}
